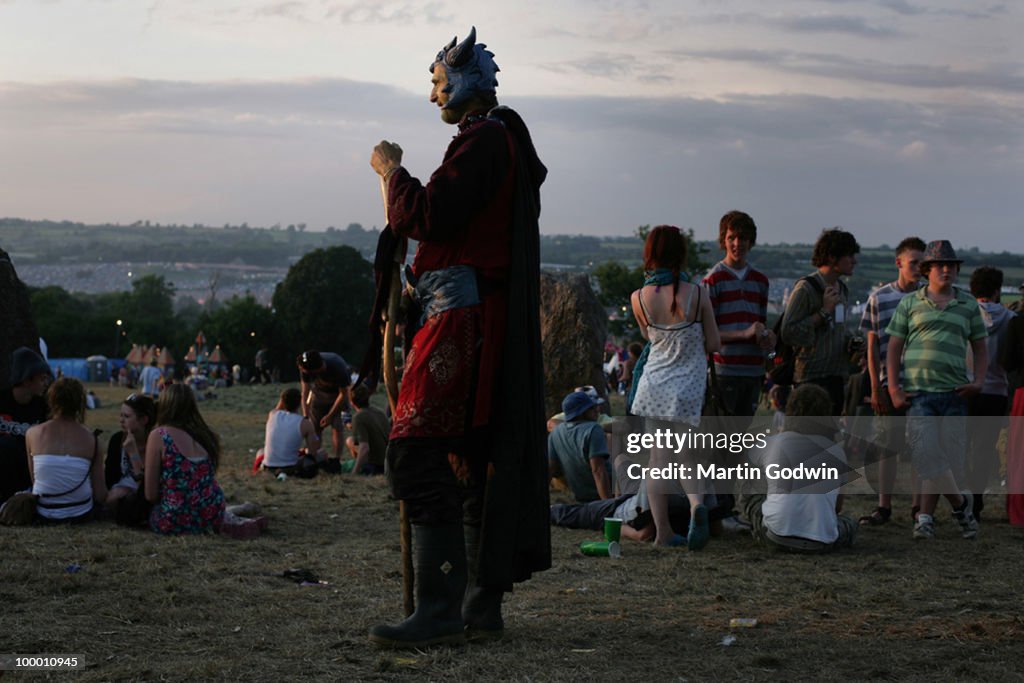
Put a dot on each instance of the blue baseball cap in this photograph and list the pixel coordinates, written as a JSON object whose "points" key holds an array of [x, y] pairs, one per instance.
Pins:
{"points": [[577, 403]]}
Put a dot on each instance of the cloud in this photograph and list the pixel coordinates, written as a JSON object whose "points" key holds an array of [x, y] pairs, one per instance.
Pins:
{"points": [[802, 23], [269, 109], [999, 77], [903, 7], [834, 24], [915, 150], [291, 151], [368, 12], [910, 9], [796, 122], [287, 9], [232, 108], [606, 65]]}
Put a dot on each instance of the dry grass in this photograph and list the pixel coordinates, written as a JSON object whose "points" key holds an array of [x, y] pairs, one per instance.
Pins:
{"points": [[145, 607]]}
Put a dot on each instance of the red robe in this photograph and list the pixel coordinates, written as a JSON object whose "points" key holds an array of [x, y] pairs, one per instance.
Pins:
{"points": [[482, 366], [461, 217]]}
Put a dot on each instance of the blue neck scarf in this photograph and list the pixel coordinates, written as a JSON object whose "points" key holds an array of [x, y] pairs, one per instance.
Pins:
{"points": [[663, 276]]}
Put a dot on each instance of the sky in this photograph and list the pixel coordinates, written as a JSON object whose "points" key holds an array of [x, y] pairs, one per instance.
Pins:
{"points": [[886, 117]]}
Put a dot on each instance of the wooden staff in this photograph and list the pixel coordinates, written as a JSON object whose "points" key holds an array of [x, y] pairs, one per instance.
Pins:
{"points": [[390, 322]]}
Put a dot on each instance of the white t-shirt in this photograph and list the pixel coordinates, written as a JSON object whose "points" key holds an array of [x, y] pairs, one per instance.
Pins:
{"points": [[283, 439], [804, 515]]}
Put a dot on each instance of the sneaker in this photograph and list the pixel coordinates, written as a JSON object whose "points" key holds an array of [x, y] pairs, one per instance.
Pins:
{"points": [[924, 528], [246, 509], [735, 525], [965, 518]]}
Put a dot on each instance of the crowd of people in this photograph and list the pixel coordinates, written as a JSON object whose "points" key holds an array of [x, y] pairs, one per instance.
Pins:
{"points": [[159, 470], [956, 354], [464, 447]]}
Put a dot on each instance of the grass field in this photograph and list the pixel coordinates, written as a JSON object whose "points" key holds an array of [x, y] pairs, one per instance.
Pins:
{"points": [[144, 607]]}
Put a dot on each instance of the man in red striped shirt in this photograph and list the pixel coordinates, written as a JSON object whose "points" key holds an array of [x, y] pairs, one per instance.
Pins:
{"points": [[739, 296]]}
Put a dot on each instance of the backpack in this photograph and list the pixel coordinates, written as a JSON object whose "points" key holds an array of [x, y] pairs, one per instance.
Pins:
{"points": [[782, 363]]}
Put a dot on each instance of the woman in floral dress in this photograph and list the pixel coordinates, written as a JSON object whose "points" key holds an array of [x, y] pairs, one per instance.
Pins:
{"points": [[181, 457]]}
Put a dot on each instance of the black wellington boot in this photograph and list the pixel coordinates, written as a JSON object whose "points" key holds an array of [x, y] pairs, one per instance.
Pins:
{"points": [[481, 607], [440, 583]]}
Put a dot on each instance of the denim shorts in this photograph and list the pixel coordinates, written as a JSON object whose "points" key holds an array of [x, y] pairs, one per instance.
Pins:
{"points": [[937, 434]]}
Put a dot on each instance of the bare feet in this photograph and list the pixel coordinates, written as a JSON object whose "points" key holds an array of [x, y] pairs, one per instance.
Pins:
{"points": [[673, 542]]}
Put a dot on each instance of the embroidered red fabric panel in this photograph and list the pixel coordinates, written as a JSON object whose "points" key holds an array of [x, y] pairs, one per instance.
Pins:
{"points": [[438, 376]]}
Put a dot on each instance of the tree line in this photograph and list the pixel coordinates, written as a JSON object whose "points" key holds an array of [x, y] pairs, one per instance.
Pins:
{"points": [[323, 303]]}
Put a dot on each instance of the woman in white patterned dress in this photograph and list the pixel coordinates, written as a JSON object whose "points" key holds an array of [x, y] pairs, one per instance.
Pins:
{"points": [[679, 323]]}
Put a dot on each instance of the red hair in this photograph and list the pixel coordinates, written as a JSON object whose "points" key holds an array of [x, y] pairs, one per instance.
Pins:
{"points": [[666, 248]]}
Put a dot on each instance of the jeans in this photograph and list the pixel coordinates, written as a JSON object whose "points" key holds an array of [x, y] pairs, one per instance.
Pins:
{"points": [[937, 434], [741, 394]]}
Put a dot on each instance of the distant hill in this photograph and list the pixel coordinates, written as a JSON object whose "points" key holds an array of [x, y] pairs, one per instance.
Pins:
{"points": [[50, 242], [270, 249]]}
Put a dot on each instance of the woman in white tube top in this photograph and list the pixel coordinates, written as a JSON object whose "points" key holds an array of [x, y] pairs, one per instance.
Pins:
{"points": [[64, 461]]}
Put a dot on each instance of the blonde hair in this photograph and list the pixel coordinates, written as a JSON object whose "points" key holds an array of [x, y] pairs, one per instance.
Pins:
{"points": [[66, 398]]}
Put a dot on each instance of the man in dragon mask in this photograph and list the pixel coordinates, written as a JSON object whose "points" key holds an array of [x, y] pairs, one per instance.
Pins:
{"points": [[466, 452]]}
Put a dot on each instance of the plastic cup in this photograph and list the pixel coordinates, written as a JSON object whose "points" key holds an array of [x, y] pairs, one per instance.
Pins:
{"points": [[601, 549], [612, 529]]}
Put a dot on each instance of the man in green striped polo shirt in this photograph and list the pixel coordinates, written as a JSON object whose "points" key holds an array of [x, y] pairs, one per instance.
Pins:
{"points": [[930, 331], [889, 434]]}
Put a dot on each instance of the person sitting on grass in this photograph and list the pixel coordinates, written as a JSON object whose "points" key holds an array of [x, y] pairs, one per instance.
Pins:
{"points": [[182, 454], [369, 440], [604, 419], [286, 430], [124, 464], [64, 460], [802, 515], [578, 450], [22, 404]]}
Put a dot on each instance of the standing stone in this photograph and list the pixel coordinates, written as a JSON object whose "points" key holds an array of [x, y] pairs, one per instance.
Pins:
{"points": [[17, 329], [573, 327]]}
